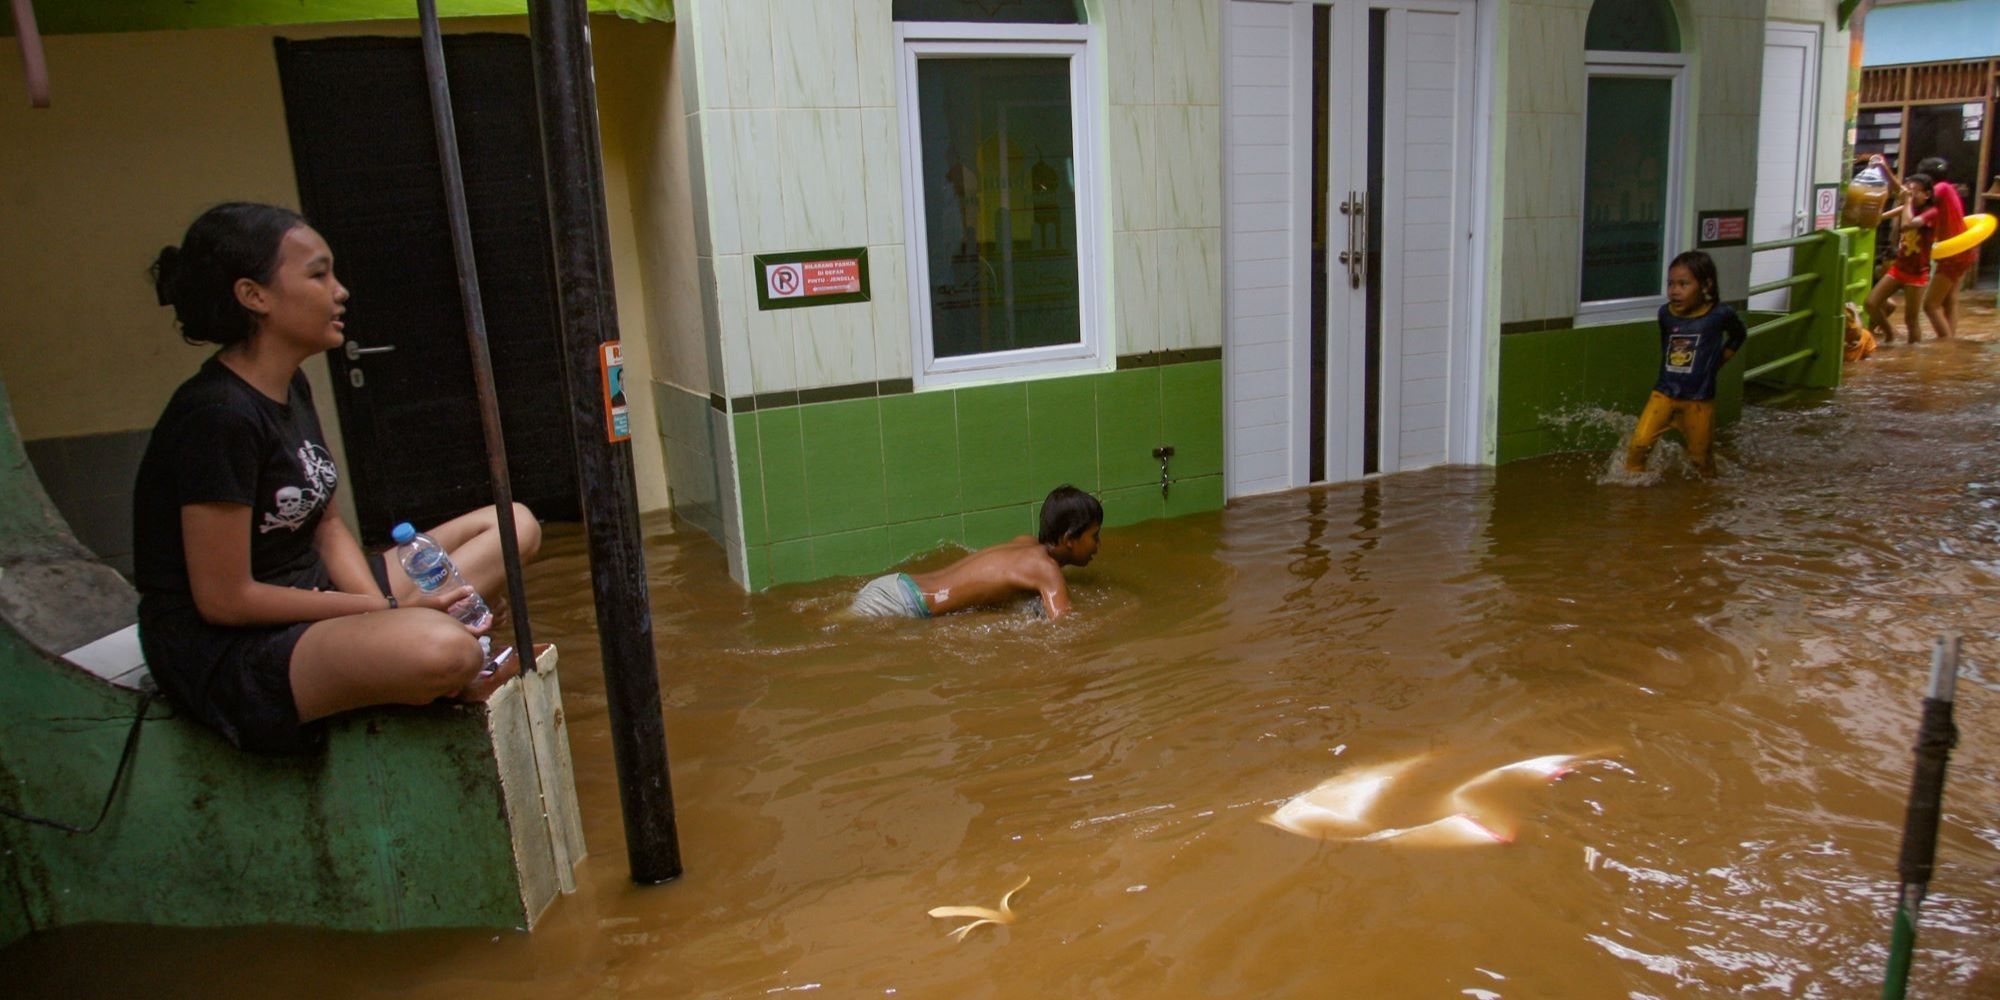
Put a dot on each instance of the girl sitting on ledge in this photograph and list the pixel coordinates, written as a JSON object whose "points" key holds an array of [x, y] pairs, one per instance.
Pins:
{"points": [[259, 614]]}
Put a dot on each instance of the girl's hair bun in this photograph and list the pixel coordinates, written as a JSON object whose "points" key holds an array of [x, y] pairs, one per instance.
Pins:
{"points": [[166, 270]]}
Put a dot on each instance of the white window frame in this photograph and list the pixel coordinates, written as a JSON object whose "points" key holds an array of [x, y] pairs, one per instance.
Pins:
{"points": [[1671, 66], [950, 39]]}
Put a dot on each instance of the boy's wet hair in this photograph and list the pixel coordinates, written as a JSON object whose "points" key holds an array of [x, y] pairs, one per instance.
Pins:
{"points": [[198, 278], [1701, 267], [1923, 181], [1067, 513]]}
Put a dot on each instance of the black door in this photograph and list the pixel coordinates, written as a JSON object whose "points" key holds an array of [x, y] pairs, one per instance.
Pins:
{"points": [[366, 157]]}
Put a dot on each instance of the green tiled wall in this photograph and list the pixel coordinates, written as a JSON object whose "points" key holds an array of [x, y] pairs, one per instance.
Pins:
{"points": [[1553, 374], [855, 487]]}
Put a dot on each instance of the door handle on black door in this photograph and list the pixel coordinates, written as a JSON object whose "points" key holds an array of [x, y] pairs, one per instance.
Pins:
{"points": [[354, 350]]}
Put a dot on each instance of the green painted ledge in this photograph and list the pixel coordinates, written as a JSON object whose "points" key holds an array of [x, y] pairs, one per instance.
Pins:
{"points": [[72, 17], [443, 816]]}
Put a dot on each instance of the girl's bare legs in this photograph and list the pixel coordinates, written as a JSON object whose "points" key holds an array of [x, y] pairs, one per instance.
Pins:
{"points": [[408, 656], [1878, 310], [1939, 301], [1913, 311], [474, 543]]}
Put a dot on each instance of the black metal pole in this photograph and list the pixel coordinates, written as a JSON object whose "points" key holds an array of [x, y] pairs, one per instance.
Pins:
{"points": [[1936, 735], [475, 325], [575, 175]]}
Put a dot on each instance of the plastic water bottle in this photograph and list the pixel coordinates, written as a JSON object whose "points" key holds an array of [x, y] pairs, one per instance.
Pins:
{"points": [[431, 567]]}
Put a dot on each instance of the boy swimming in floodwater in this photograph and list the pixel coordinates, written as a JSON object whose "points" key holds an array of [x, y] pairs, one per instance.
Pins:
{"points": [[1071, 520], [1698, 332]]}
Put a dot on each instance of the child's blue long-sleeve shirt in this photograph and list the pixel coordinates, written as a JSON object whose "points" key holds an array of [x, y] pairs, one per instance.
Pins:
{"points": [[1691, 350]]}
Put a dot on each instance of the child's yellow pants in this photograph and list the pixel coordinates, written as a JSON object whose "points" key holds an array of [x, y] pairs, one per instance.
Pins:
{"points": [[1694, 417]]}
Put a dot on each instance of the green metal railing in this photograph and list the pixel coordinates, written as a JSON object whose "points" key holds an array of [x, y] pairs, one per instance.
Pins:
{"points": [[1802, 347]]}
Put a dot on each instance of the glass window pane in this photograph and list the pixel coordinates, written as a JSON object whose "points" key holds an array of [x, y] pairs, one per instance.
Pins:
{"points": [[1632, 26], [1625, 187], [1000, 214], [1014, 11]]}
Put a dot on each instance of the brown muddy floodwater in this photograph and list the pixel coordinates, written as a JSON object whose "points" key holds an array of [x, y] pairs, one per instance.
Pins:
{"points": [[1738, 663]]}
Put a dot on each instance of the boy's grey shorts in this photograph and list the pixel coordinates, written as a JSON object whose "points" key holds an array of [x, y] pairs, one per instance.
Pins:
{"points": [[891, 596]]}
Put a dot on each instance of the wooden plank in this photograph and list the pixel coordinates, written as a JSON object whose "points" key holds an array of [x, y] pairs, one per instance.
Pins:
{"points": [[513, 750], [549, 731]]}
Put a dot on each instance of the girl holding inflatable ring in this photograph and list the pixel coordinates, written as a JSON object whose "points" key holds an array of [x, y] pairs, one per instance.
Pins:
{"points": [[1940, 296]]}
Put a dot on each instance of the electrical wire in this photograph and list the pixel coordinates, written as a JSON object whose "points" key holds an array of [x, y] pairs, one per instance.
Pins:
{"points": [[118, 776]]}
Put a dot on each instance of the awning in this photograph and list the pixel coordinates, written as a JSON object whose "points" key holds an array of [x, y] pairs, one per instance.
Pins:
{"points": [[69, 17]]}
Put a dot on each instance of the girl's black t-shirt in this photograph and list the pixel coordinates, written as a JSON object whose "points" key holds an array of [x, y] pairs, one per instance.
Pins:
{"points": [[222, 441], [1691, 350]]}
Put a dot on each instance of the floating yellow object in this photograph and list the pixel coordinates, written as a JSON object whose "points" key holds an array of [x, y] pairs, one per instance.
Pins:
{"points": [[984, 915], [1339, 807], [1977, 228]]}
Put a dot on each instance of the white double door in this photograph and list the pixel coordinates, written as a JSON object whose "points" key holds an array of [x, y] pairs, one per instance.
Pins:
{"points": [[1355, 352]]}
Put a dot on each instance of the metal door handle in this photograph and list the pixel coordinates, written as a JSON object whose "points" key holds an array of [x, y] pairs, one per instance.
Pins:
{"points": [[355, 350], [1357, 238]]}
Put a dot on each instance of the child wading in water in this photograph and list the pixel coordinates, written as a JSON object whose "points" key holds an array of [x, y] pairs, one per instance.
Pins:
{"points": [[1697, 334], [1911, 270]]}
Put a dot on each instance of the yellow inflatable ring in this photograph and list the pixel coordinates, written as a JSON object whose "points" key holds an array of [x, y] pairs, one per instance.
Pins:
{"points": [[1977, 228]]}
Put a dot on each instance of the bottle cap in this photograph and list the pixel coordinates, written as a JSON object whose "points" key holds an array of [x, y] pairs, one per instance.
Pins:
{"points": [[402, 533]]}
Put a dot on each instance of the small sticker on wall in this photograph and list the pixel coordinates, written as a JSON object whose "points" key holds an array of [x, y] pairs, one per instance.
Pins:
{"points": [[617, 416], [811, 278], [1826, 206], [1729, 228]]}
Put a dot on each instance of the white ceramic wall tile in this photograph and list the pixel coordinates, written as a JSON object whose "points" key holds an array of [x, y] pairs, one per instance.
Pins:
{"points": [[1173, 168], [835, 345], [737, 309], [773, 365], [812, 45], [1133, 158], [734, 303], [1725, 174], [874, 54], [1135, 264], [700, 26], [761, 174], [1128, 35], [824, 182], [882, 161], [698, 194], [1516, 268], [1746, 9], [1205, 164], [1538, 269], [746, 49], [705, 282], [1545, 59], [889, 304], [1201, 50], [1170, 25], [722, 201], [1544, 165], [1178, 294], [1203, 273], [1732, 65]]}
